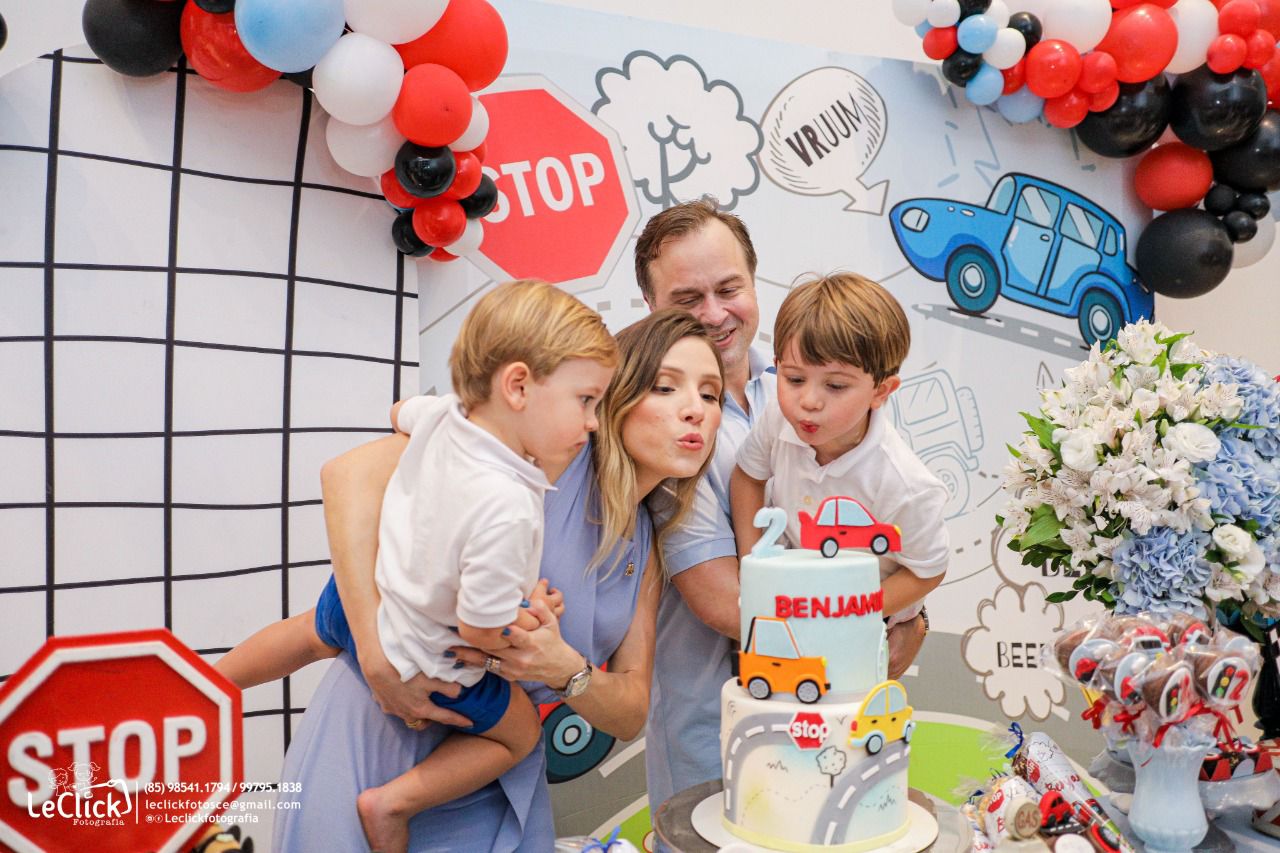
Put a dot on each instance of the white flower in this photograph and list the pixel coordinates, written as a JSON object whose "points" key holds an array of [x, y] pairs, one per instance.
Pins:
{"points": [[1233, 542], [1193, 442], [1079, 448], [1145, 402], [1252, 563], [1223, 585], [1220, 400], [1138, 340]]}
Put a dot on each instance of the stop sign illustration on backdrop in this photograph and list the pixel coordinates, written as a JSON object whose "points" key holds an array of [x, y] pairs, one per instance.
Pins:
{"points": [[566, 206], [808, 730], [116, 742]]}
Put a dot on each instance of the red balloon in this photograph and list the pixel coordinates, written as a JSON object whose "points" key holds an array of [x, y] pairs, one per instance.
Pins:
{"points": [[439, 221], [434, 106], [1142, 39], [1270, 15], [1227, 53], [467, 177], [469, 38], [1014, 77], [480, 151], [393, 192], [940, 42], [1172, 176], [1271, 76], [1238, 17], [1097, 71], [1066, 110], [1053, 67], [214, 49], [1262, 47], [1105, 99], [441, 256], [1163, 4]]}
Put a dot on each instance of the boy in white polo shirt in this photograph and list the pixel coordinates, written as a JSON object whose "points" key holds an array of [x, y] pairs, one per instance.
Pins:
{"points": [[460, 538], [839, 342]]}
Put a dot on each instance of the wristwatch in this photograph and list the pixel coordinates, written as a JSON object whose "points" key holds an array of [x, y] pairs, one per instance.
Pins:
{"points": [[578, 682], [924, 614]]}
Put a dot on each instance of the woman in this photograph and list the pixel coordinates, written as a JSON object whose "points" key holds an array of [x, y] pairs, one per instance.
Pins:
{"points": [[658, 422]]}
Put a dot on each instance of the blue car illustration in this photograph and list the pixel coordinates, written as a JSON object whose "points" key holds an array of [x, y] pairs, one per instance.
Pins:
{"points": [[1036, 242]]}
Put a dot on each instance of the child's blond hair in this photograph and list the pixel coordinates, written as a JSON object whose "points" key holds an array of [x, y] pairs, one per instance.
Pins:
{"points": [[844, 318], [527, 321]]}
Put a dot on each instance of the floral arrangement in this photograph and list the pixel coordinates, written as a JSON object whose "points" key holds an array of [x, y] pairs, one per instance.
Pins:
{"points": [[1153, 476]]}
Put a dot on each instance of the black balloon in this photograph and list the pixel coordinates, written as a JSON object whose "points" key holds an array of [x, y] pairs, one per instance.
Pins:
{"points": [[482, 201], [1132, 123], [406, 239], [216, 7], [1213, 111], [1184, 253], [1253, 163], [300, 78], [973, 7], [960, 66], [134, 37], [1256, 205], [1220, 200], [425, 172], [4, 31], [1241, 226], [1029, 25]]}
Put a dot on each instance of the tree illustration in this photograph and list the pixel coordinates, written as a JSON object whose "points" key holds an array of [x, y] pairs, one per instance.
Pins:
{"points": [[831, 761]]}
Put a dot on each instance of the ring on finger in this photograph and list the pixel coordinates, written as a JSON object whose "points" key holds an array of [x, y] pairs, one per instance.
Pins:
{"points": [[416, 725], [493, 664]]}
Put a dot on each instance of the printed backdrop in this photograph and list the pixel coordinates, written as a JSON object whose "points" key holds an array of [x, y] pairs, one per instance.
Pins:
{"points": [[198, 308]]}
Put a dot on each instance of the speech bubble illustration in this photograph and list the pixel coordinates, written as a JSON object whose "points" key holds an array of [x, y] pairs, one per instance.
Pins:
{"points": [[822, 132]]}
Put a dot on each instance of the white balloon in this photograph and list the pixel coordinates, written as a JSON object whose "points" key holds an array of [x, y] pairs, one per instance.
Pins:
{"points": [[1247, 254], [469, 242], [359, 79], [476, 131], [1035, 7], [911, 12], [944, 13], [998, 11], [1008, 49], [364, 149], [1197, 23], [1080, 23], [393, 21]]}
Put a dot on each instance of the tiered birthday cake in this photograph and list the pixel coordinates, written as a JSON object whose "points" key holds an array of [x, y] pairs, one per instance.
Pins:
{"points": [[814, 740]]}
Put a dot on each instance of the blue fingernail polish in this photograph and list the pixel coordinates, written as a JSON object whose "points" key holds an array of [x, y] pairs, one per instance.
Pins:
{"points": [[524, 602], [506, 632], [459, 665], [450, 654]]}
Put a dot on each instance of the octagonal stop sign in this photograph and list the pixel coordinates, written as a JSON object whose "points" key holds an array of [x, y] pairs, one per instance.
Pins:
{"points": [[116, 742], [566, 203], [808, 730]]}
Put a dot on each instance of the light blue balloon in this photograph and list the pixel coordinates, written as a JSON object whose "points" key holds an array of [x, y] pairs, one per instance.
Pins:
{"points": [[985, 86], [922, 28], [289, 35], [977, 33], [1020, 107]]}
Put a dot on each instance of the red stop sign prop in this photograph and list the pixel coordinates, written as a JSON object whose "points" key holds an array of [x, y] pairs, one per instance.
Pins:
{"points": [[566, 204], [808, 730], [116, 742]]}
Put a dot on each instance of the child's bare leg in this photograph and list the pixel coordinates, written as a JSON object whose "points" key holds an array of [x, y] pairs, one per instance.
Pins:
{"points": [[461, 764], [275, 651]]}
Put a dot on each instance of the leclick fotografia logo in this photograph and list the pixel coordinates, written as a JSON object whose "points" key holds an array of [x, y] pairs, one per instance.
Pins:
{"points": [[76, 794]]}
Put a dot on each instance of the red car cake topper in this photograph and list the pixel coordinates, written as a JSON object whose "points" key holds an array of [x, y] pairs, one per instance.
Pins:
{"points": [[843, 522]]}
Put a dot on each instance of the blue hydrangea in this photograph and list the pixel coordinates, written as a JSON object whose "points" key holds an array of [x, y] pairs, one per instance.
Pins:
{"points": [[1240, 483], [1260, 396], [1162, 569]]}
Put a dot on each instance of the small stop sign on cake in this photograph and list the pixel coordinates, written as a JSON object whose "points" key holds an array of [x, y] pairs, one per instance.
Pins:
{"points": [[116, 741], [808, 730]]}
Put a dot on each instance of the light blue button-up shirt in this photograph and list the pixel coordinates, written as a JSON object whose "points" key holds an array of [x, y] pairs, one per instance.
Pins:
{"points": [[692, 661]]}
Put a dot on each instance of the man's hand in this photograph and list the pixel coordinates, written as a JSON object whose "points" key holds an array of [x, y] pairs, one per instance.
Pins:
{"points": [[409, 700], [905, 640]]}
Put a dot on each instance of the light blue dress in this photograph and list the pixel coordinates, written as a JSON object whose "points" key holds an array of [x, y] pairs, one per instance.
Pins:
{"points": [[691, 661], [345, 743]]}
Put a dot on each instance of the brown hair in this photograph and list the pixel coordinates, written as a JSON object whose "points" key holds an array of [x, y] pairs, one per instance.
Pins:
{"points": [[527, 321], [845, 318], [685, 218], [642, 347]]}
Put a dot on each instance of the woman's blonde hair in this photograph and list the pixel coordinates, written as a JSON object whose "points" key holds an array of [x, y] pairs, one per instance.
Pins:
{"points": [[527, 321], [642, 347]]}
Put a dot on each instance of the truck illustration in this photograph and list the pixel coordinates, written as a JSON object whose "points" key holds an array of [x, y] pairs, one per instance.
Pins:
{"points": [[942, 424], [1035, 242], [770, 662]]}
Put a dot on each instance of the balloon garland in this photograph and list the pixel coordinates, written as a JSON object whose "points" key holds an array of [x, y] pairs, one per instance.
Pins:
{"points": [[395, 76], [1209, 137]]}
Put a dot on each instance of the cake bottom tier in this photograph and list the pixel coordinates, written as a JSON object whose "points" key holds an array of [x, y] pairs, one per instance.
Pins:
{"points": [[792, 781]]}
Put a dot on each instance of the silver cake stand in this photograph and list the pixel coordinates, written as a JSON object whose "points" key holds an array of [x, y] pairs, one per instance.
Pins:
{"points": [[674, 822]]}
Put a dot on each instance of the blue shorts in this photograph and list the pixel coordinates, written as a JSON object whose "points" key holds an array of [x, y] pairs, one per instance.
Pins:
{"points": [[483, 703]]}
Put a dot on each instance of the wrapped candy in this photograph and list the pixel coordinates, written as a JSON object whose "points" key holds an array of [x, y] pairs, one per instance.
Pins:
{"points": [[1044, 765], [981, 842], [1009, 809]]}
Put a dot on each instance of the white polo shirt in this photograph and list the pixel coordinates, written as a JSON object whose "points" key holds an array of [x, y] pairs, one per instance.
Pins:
{"points": [[882, 472], [460, 537]]}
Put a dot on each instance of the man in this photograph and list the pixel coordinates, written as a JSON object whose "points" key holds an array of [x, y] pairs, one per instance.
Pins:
{"points": [[698, 258]]}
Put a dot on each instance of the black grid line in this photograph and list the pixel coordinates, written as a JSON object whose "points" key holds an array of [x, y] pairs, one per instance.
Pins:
{"points": [[50, 228], [170, 326], [177, 578], [190, 433], [169, 343]]}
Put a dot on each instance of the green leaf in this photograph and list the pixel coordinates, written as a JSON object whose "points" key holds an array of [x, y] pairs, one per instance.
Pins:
{"points": [[1000, 520], [1169, 341], [1180, 371], [1089, 595], [1238, 425], [1162, 362], [1100, 583], [1013, 451], [1252, 526], [1042, 529], [1108, 599], [1042, 429], [1059, 597], [1081, 583]]}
